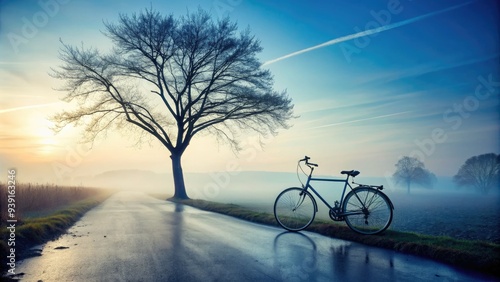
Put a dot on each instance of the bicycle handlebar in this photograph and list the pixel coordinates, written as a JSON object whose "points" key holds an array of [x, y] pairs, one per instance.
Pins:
{"points": [[306, 160]]}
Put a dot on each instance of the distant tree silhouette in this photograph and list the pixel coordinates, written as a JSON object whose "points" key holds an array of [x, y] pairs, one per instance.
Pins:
{"points": [[171, 79], [411, 170], [481, 172]]}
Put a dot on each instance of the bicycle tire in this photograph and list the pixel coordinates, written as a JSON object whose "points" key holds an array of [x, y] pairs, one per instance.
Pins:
{"points": [[375, 218], [295, 209]]}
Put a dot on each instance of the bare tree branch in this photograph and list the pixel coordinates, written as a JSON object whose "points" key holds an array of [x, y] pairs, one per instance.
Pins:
{"points": [[480, 172], [411, 170], [172, 79]]}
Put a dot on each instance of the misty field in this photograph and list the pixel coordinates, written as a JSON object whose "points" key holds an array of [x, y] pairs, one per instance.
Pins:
{"points": [[459, 215], [442, 211], [462, 216], [466, 216], [32, 200]]}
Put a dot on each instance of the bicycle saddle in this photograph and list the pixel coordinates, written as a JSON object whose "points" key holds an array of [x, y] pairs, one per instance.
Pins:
{"points": [[352, 173]]}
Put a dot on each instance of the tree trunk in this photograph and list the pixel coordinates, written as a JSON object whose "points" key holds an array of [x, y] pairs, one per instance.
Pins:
{"points": [[179, 186], [408, 187]]}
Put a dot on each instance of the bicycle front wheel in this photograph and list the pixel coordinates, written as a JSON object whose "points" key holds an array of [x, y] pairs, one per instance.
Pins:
{"points": [[294, 209], [367, 210]]}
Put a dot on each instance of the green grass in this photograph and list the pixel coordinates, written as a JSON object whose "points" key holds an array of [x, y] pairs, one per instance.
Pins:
{"points": [[37, 230], [475, 255]]}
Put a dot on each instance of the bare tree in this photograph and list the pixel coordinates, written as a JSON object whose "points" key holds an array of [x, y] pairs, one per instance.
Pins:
{"points": [[409, 169], [172, 79], [480, 172]]}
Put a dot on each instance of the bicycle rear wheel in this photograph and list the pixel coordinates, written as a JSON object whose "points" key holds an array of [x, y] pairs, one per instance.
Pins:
{"points": [[367, 210], [294, 209]]}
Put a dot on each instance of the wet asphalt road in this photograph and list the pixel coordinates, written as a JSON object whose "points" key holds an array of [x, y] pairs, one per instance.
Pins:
{"points": [[134, 237]]}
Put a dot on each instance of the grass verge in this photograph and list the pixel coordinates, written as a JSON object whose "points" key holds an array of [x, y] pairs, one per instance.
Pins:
{"points": [[33, 231], [474, 255]]}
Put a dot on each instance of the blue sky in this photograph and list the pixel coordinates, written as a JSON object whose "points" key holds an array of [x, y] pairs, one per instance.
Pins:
{"points": [[424, 82]]}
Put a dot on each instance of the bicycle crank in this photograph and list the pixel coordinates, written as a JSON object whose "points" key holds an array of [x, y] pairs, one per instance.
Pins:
{"points": [[334, 215]]}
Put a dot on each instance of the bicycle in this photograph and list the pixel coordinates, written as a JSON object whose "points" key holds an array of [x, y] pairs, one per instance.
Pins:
{"points": [[365, 208]]}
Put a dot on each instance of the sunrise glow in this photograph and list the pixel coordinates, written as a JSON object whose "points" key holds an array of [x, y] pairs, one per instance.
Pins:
{"points": [[367, 89]]}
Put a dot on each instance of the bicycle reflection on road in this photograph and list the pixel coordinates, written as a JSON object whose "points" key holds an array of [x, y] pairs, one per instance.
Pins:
{"points": [[295, 256], [357, 262], [296, 259]]}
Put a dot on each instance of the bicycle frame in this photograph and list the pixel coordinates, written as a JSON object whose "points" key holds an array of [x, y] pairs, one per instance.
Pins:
{"points": [[364, 208], [346, 184], [308, 186]]}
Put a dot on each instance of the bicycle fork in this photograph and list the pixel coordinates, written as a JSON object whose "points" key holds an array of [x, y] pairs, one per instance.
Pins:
{"points": [[301, 200]]}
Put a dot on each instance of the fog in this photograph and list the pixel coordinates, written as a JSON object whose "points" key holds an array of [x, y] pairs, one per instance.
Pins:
{"points": [[251, 186], [443, 210]]}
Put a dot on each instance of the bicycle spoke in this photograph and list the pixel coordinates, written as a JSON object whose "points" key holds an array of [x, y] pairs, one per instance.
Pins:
{"points": [[294, 209], [376, 212]]}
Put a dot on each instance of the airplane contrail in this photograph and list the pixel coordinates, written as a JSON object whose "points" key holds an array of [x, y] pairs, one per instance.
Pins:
{"points": [[363, 119], [27, 107], [366, 33]]}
